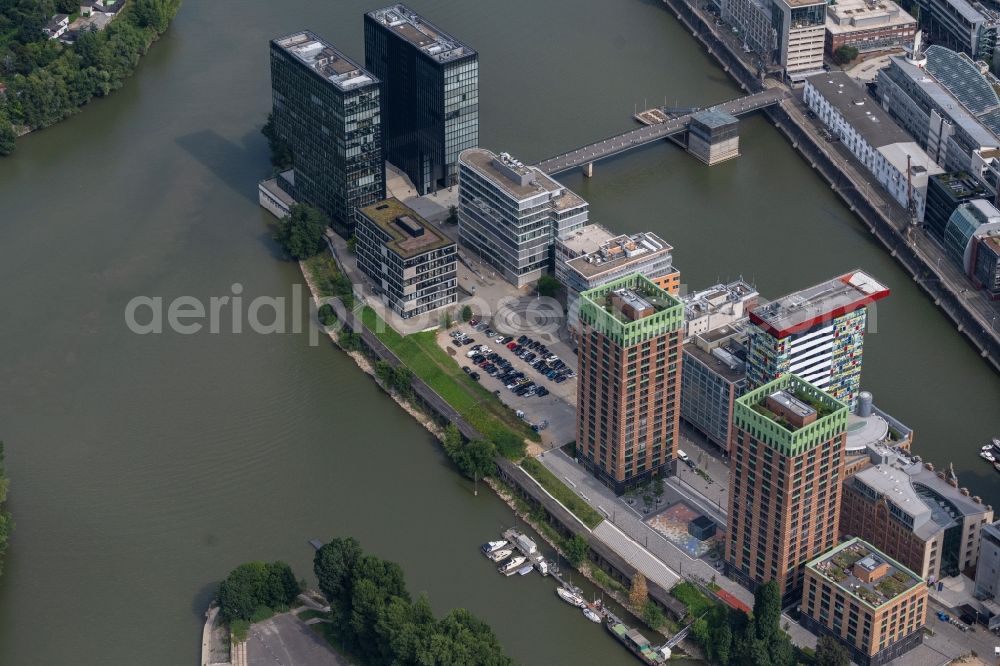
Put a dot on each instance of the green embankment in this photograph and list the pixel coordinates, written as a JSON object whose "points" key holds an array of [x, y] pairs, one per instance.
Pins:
{"points": [[561, 492], [422, 355]]}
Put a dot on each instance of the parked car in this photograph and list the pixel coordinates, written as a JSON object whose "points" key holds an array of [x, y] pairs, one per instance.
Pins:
{"points": [[466, 369], [474, 376], [521, 339], [542, 391]]}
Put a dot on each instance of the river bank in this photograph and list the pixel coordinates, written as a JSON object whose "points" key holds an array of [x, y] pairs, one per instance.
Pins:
{"points": [[521, 509]]}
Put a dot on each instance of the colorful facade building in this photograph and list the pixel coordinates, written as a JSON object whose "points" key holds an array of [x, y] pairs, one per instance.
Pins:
{"points": [[816, 333]]}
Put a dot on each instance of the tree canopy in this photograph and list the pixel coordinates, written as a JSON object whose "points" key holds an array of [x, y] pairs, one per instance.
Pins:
{"points": [[374, 617], [829, 652], [6, 522], [47, 80], [548, 285], [256, 585], [302, 233]]}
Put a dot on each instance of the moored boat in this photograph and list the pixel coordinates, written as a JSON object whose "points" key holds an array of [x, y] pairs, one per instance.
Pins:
{"points": [[491, 546], [571, 597], [986, 455], [500, 555], [591, 614], [996, 466], [513, 565], [635, 642]]}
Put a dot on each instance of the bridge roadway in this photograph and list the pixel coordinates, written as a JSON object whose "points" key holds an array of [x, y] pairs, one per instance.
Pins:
{"points": [[620, 143]]}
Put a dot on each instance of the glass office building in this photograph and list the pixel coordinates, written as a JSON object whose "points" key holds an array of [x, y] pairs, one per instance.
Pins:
{"points": [[430, 95], [326, 108]]}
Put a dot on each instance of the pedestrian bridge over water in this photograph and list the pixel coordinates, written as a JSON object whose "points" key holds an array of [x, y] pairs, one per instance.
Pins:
{"points": [[585, 156]]}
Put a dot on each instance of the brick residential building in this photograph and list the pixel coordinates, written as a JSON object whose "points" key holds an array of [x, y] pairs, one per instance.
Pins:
{"points": [[629, 383], [786, 463], [870, 603]]}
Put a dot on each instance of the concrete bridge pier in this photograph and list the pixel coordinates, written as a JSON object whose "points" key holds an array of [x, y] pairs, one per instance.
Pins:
{"points": [[588, 169]]}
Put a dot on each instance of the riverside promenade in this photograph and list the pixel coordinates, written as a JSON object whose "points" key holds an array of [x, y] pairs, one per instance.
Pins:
{"points": [[972, 313]]}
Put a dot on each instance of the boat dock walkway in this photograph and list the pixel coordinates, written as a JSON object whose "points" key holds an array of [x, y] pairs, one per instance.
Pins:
{"points": [[650, 132]]}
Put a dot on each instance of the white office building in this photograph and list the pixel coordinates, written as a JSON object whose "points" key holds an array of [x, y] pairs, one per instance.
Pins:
{"points": [[895, 161], [510, 214]]}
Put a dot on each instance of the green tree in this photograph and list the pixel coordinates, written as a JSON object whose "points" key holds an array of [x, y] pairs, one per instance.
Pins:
{"points": [[302, 233], [6, 522], [452, 215], [658, 488], [253, 585], [481, 460], [334, 565], [722, 641], [845, 54], [767, 611], [7, 137], [652, 615], [281, 152], [829, 652], [326, 315], [466, 313], [548, 285], [576, 550]]}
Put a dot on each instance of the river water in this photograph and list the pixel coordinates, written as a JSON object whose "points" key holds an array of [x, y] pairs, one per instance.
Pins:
{"points": [[145, 467]]}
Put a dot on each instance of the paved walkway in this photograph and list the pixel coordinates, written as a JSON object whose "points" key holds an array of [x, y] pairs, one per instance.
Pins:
{"points": [[630, 522]]}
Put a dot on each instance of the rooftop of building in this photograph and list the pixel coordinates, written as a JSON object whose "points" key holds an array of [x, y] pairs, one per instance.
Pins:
{"points": [[796, 395], [518, 180], [939, 89], [618, 252], [752, 414], [610, 309], [411, 234], [960, 185], [801, 310], [586, 239], [992, 241], [853, 15], [705, 301], [421, 33], [860, 111], [715, 118], [325, 59], [727, 360], [864, 572], [910, 156], [932, 503], [803, 3]]}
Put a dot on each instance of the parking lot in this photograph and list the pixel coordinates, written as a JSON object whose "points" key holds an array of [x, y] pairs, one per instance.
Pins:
{"points": [[546, 402]]}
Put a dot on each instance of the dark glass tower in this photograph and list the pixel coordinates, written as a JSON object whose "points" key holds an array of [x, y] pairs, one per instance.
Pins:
{"points": [[326, 108], [430, 95]]}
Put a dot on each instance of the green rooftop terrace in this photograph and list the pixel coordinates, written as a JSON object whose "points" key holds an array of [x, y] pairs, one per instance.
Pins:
{"points": [[751, 414], [610, 309], [386, 215], [841, 564]]}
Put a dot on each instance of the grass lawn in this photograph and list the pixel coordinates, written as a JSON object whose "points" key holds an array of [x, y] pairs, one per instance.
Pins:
{"points": [[561, 492], [696, 602], [323, 269], [421, 354]]}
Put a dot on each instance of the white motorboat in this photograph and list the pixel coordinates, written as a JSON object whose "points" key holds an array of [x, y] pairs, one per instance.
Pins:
{"points": [[591, 614], [986, 455], [500, 555], [987, 447], [571, 597], [513, 565], [490, 546]]}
